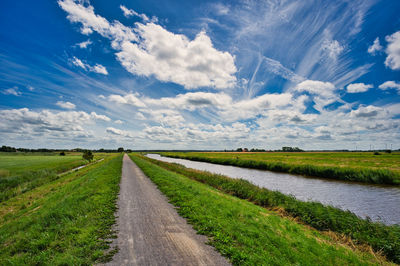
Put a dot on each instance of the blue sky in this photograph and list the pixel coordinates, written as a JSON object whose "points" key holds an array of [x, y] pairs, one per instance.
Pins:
{"points": [[200, 74]]}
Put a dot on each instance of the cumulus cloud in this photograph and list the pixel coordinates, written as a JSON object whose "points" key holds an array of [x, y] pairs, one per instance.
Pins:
{"points": [[316, 87], [366, 111], [96, 68], [198, 133], [130, 12], [151, 50], [393, 51], [47, 123], [118, 122], [66, 105], [130, 99], [390, 85], [358, 87], [119, 132], [332, 48], [221, 103], [375, 47], [85, 44], [173, 57], [12, 91]]}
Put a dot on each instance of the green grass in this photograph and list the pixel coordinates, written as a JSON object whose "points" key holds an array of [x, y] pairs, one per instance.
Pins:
{"points": [[66, 221], [18, 164], [23, 172], [349, 166], [245, 233]]}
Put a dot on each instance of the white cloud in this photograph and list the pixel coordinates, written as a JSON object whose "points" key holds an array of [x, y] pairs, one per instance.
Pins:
{"points": [[130, 99], [140, 116], [393, 51], [332, 48], [99, 69], [151, 50], [390, 85], [92, 22], [316, 87], [66, 105], [38, 123], [191, 101], [375, 47], [85, 44], [130, 12], [30, 88], [96, 68], [93, 115], [119, 132], [358, 87], [12, 91], [118, 122], [173, 57], [366, 111]]}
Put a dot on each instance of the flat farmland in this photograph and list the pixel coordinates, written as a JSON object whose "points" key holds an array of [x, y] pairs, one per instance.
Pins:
{"points": [[16, 164]]}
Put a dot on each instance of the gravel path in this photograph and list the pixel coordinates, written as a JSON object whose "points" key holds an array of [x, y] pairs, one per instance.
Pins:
{"points": [[150, 231]]}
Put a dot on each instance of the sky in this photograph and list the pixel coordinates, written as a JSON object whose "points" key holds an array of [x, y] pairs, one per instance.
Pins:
{"points": [[200, 74]]}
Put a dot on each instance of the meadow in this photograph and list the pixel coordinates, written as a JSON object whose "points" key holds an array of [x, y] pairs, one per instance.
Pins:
{"points": [[251, 234], [12, 164], [21, 172], [62, 221], [350, 166]]}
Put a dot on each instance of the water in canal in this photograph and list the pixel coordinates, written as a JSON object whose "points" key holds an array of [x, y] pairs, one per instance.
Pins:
{"points": [[380, 203]]}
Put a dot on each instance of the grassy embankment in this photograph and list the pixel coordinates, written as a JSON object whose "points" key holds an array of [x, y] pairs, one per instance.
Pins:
{"points": [[349, 166], [246, 233], [21, 172], [66, 221]]}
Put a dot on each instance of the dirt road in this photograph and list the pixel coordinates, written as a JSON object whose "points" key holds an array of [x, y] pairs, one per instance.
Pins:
{"points": [[150, 232]]}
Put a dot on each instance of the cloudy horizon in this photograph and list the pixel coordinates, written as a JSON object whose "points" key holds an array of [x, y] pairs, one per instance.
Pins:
{"points": [[209, 75]]}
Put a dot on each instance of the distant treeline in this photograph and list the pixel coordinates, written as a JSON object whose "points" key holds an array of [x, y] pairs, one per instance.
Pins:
{"points": [[13, 149]]}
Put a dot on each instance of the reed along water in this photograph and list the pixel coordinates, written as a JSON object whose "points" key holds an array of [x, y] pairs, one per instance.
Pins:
{"points": [[378, 202]]}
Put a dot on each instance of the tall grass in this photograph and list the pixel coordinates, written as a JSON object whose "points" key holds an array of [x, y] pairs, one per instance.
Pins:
{"points": [[380, 237], [15, 185], [366, 175]]}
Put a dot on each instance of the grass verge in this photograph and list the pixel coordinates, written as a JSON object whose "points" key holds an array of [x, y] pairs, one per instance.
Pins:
{"points": [[63, 222], [380, 237], [245, 233], [359, 174]]}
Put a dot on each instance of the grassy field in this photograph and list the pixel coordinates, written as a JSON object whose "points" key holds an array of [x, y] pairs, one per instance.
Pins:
{"points": [[14, 164], [351, 166], [66, 221], [22, 172], [246, 233]]}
